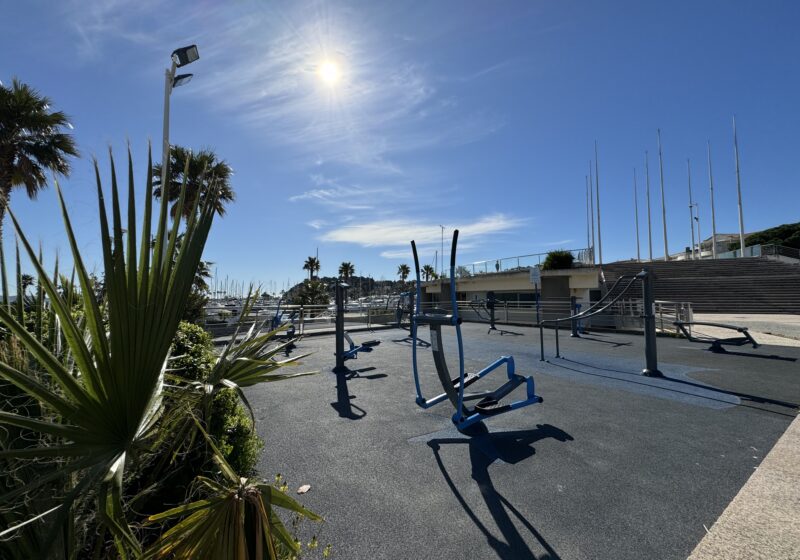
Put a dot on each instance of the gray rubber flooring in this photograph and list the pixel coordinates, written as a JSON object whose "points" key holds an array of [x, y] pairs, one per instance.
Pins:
{"points": [[611, 465]]}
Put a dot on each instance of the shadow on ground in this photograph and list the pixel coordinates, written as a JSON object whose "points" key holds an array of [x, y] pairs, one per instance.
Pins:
{"points": [[510, 447], [344, 400]]}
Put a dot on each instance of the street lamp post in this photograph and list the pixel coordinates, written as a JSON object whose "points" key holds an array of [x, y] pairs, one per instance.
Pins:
{"points": [[180, 57]]}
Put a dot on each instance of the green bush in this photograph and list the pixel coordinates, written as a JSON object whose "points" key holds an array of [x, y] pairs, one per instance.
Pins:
{"points": [[232, 430], [193, 352], [558, 260], [229, 423]]}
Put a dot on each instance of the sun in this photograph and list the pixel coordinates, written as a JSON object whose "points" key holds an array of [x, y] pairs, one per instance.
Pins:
{"points": [[329, 73]]}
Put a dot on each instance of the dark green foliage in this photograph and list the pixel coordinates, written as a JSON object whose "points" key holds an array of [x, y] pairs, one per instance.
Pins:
{"points": [[193, 352], [787, 235], [232, 431], [313, 292], [32, 142], [229, 425], [557, 260], [203, 172]]}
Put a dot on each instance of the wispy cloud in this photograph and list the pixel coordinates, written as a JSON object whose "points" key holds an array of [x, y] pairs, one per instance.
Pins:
{"points": [[554, 243], [332, 193], [265, 76], [398, 233], [99, 21]]}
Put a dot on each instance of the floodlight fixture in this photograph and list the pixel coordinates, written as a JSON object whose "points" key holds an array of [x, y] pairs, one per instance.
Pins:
{"points": [[185, 55], [181, 79]]}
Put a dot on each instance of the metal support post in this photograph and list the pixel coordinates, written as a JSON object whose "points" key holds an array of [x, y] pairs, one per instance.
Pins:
{"points": [[573, 306], [650, 349], [558, 352], [339, 299]]}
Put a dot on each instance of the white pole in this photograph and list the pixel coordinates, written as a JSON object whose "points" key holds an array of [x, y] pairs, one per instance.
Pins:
{"points": [[591, 203], [649, 217], [441, 275], [169, 77], [636, 215], [691, 205], [588, 238], [738, 188], [597, 194], [663, 204], [713, 218]]}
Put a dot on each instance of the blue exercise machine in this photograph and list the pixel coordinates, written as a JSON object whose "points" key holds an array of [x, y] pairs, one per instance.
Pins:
{"points": [[277, 320], [489, 403]]}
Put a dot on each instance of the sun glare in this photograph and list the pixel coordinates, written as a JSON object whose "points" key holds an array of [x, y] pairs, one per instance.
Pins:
{"points": [[329, 72]]}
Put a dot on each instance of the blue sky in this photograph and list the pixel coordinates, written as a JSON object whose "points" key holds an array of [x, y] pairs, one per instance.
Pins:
{"points": [[481, 116]]}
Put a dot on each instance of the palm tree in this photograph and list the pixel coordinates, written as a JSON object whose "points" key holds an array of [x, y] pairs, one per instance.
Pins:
{"points": [[312, 266], [31, 142], [346, 270], [403, 271], [428, 272], [205, 171]]}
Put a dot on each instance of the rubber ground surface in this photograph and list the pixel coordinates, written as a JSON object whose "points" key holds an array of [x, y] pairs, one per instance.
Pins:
{"points": [[612, 465]]}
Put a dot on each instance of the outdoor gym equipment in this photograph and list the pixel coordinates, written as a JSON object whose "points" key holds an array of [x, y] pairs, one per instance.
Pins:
{"points": [[341, 334], [489, 403], [491, 303], [646, 277], [277, 320], [716, 343], [405, 306]]}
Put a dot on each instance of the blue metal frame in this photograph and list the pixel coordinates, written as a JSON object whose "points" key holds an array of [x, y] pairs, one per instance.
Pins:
{"points": [[352, 353], [461, 420]]}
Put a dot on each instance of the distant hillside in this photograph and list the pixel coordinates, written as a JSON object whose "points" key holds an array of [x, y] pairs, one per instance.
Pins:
{"points": [[359, 286], [787, 235]]}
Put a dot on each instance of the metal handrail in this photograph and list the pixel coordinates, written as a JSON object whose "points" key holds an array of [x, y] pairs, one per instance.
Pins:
{"points": [[501, 265]]}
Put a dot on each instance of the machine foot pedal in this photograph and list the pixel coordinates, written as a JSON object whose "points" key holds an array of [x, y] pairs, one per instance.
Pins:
{"points": [[370, 343], [491, 406], [469, 379]]}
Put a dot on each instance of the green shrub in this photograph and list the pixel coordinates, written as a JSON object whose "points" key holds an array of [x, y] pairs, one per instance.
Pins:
{"points": [[232, 430], [229, 424], [193, 351], [557, 260]]}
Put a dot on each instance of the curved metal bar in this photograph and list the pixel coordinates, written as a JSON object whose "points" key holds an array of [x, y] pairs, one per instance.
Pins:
{"points": [[588, 313], [420, 398], [457, 323]]}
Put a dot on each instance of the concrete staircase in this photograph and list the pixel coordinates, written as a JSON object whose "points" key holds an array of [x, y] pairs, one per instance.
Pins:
{"points": [[746, 285]]}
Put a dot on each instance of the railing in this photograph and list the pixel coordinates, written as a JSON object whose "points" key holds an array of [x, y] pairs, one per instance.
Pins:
{"points": [[768, 250], [623, 314], [773, 250], [627, 313], [520, 262]]}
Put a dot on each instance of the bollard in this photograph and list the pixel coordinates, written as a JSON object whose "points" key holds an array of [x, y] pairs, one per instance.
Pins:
{"points": [[574, 322], [650, 349], [558, 353]]}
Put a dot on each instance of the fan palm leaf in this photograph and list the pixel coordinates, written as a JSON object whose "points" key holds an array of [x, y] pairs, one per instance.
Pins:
{"points": [[108, 394]]}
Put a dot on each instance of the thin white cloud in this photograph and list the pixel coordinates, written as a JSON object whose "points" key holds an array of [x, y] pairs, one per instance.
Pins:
{"points": [[317, 224], [428, 236], [265, 76], [332, 193], [554, 243]]}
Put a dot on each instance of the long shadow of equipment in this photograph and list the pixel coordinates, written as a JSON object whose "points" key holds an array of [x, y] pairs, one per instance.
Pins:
{"points": [[511, 447], [409, 340], [724, 352], [744, 396], [505, 332], [344, 405], [613, 343]]}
